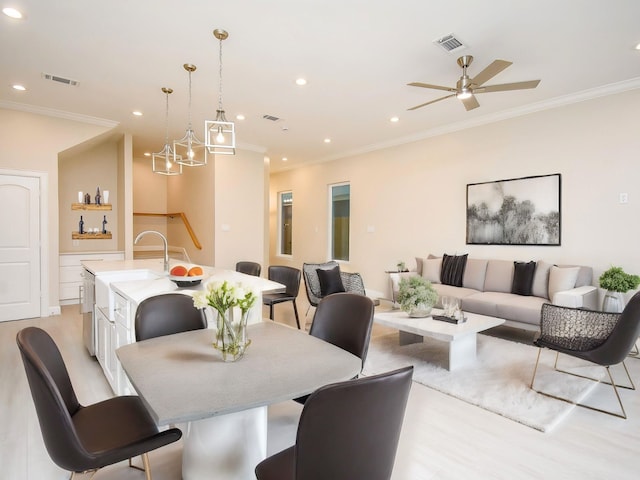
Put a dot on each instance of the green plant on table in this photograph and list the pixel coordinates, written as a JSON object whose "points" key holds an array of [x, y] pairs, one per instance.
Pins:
{"points": [[415, 291], [616, 280]]}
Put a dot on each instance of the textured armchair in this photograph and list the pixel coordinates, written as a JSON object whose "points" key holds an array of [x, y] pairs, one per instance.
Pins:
{"points": [[352, 282], [602, 338]]}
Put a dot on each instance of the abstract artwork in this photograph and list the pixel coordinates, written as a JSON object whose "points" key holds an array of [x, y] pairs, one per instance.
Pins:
{"points": [[518, 211]]}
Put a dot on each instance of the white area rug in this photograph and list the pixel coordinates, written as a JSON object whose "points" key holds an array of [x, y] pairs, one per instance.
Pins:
{"points": [[499, 380]]}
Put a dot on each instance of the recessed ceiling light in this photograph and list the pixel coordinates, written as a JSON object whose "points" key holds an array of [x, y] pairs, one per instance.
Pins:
{"points": [[638, 46], [394, 119], [12, 12], [147, 154], [301, 81], [327, 140], [239, 117], [137, 113], [284, 159], [22, 88]]}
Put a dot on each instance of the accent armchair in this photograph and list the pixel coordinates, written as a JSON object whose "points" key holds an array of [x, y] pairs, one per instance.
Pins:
{"points": [[602, 338], [352, 282]]}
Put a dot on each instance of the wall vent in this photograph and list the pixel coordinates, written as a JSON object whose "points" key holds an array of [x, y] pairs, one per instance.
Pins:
{"points": [[271, 118], [450, 43], [59, 79]]}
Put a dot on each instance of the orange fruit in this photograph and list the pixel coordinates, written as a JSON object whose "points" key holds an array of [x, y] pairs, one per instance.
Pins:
{"points": [[195, 271], [179, 271]]}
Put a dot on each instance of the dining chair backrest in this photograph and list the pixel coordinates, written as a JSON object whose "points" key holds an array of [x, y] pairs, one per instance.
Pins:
{"points": [[289, 276], [167, 314], [249, 268], [350, 430], [345, 320], [54, 397]]}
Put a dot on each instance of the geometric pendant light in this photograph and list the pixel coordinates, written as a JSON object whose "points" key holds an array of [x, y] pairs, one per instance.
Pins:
{"points": [[220, 134], [189, 148], [164, 162]]}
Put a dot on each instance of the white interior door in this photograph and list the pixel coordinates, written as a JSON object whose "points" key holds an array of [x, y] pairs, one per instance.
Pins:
{"points": [[19, 247]]}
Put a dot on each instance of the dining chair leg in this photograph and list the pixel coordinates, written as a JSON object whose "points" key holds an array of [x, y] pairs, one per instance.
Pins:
{"points": [[147, 466], [535, 369], [295, 310], [271, 311]]}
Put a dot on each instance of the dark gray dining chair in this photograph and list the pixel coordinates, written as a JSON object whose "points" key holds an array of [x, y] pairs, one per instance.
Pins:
{"points": [[249, 268], [82, 438], [344, 320], [167, 314], [290, 277], [347, 431], [598, 337]]}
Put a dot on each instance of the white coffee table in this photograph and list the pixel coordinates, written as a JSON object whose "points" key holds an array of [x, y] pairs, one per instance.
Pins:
{"points": [[462, 338]]}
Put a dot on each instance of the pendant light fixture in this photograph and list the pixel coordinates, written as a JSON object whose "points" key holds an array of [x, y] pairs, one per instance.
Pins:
{"points": [[189, 148], [165, 161], [220, 135]]}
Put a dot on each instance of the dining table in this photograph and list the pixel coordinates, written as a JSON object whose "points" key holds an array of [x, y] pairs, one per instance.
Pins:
{"points": [[182, 379]]}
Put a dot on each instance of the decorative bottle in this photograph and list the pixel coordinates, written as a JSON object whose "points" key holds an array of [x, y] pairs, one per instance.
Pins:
{"points": [[98, 199], [104, 224], [81, 225], [87, 198]]}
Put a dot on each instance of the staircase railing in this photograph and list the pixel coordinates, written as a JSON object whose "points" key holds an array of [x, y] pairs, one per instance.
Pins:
{"points": [[182, 216]]}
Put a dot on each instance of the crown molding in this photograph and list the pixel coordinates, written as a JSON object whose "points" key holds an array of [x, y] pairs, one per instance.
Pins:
{"points": [[584, 95], [51, 112]]}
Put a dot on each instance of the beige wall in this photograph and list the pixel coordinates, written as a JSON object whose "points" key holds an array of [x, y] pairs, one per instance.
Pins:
{"points": [[32, 142], [414, 196], [85, 171]]}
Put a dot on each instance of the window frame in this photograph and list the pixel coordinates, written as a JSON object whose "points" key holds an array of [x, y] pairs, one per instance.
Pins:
{"points": [[330, 247], [280, 246]]}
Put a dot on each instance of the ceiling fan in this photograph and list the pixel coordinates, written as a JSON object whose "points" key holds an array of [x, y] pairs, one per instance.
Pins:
{"points": [[466, 87]]}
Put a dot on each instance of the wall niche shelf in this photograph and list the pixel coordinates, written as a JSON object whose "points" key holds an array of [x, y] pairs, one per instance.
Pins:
{"points": [[90, 236], [90, 206]]}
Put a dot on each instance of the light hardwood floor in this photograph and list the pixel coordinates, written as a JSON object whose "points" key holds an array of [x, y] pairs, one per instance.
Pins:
{"points": [[442, 438]]}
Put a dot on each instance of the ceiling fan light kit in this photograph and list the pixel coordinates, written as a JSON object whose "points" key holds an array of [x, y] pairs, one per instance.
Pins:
{"points": [[466, 88]]}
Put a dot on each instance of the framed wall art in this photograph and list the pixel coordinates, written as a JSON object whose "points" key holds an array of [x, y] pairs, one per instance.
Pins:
{"points": [[518, 211]]}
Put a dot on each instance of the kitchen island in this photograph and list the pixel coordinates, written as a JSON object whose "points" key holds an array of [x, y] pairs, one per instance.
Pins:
{"points": [[120, 286]]}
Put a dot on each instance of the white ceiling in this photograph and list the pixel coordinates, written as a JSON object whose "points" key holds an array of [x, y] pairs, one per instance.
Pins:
{"points": [[357, 55]]}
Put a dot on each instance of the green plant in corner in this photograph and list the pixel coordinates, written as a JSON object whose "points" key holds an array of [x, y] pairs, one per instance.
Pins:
{"points": [[616, 280], [416, 292]]}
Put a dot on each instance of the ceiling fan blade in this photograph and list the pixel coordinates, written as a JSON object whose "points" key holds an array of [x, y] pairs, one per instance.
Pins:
{"points": [[491, 71], [470, 103], [507, 86], [428, 85], [432, 101]]}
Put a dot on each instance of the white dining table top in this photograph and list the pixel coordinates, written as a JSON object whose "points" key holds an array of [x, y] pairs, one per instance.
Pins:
{"points": [[183, 378]]}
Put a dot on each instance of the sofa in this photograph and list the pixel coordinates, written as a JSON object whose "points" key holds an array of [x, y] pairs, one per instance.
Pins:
{"points": [[512, 290]]}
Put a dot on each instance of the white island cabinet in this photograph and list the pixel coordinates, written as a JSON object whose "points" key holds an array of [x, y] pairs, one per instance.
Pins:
{"points": [[118, 294]]}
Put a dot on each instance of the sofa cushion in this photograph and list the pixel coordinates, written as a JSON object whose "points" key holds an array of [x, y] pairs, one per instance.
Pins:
{"points": [[330, 281], [431, 268], [450, 291], [474, 274], [482, 303], [561, 279], [499, 276], [523, 277], [540, 287], [453, 269], [518, 308], [585, 275]]}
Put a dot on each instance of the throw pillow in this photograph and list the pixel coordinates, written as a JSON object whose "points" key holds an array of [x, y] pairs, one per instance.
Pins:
{"points": [[540, 286], [523, 277], [561, 279], [431, 269], [453, 269], [330, 281]]}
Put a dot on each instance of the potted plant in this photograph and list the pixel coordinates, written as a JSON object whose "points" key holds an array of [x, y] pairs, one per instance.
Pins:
{"points": [[416, 296], [401, 266], [616, 282]]}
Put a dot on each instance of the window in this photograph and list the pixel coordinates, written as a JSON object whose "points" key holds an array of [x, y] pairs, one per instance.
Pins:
{"points": [[340, 205], [285, 221]]}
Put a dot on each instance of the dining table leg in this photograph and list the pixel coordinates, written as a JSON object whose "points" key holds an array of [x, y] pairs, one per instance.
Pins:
{"points": [[225, 447]]}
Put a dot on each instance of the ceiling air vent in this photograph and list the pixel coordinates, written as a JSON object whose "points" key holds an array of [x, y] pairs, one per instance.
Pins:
{"points": [[57, 78], [271, 118], [450, 43]]}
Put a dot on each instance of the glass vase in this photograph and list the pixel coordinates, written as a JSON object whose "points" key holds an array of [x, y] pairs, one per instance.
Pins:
{"points": [[420, 310], [231, 334], [612, 302]]}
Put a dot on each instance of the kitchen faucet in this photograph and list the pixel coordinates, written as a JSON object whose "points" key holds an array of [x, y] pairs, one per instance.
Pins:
{"points": [[164, 241]]}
